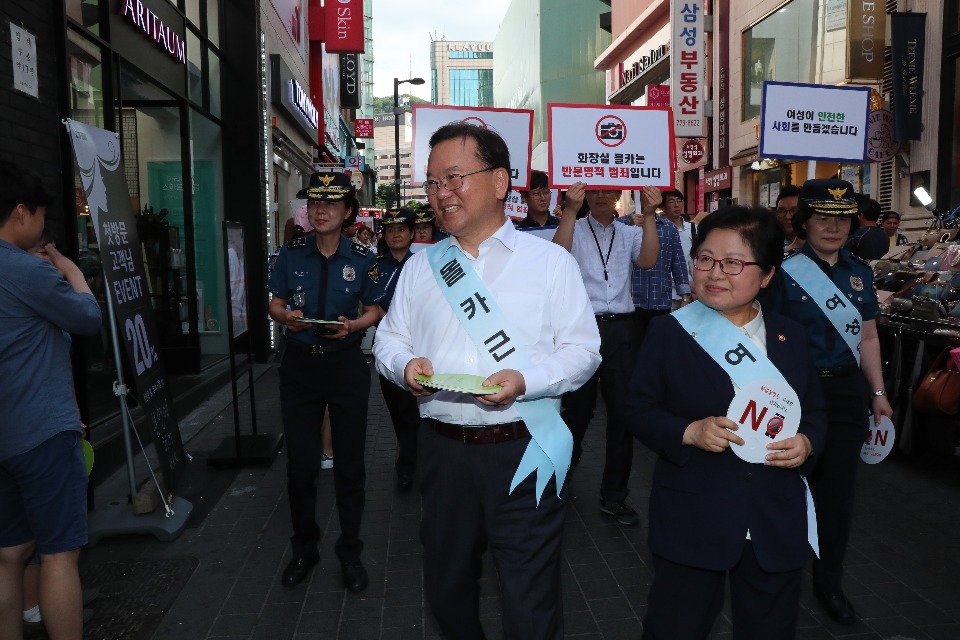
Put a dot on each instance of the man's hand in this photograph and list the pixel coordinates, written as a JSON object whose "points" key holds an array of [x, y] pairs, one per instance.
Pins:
{"points": [[418, 367], [650, 199], [713, 434], [291, 322], [791, 452], [342, 332], [574, 201], [512, 384]]}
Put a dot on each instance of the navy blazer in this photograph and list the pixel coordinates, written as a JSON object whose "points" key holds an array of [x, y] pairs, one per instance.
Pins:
{"points": [[702, 503]]}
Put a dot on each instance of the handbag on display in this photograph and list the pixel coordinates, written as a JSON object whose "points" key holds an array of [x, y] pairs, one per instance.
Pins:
{"points": [[939, 390], [950, 260], [928, 309]]}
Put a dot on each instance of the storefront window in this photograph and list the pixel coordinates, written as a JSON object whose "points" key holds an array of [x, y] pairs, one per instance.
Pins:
{"points": [[86, 13], [781, 47], [194, 68], [85, 74], [213, 66], [207, 168], [193, 11], [213, 21]]}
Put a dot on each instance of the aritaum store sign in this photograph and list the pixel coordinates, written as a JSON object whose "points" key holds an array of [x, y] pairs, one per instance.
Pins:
{"points": [[151, 34]]}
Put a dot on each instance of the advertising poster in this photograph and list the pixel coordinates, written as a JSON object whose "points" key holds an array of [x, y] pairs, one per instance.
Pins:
{"points": [[101, 170], [515, 126], [814, 122], [611, 146]]}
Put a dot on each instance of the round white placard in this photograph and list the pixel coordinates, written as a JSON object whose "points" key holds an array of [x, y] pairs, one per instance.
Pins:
{"points": [[879, 442], [765, 411]]}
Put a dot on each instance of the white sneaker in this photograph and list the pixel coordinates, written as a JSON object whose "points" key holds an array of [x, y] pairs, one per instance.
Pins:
{"points": [[326, 462]]}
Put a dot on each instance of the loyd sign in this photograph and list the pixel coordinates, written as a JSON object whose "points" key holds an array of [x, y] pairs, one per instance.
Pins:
{"points": [[152, 26]]}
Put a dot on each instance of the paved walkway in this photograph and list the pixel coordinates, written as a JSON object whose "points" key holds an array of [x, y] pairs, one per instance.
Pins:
{"points": [[904, 564]]}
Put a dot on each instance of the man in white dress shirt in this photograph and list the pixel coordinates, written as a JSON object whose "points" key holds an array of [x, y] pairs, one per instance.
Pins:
{"points": [[470, 446], [607, 254]]}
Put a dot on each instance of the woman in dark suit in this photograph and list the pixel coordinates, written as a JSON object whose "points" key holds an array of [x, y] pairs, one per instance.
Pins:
{"points": [[712, 514]]}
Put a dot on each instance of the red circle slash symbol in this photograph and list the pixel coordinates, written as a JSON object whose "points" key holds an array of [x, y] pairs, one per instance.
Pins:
{"points": [[475, 121], [611, 131]]}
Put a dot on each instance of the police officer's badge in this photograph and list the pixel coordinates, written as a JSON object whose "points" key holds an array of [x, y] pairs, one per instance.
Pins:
{"points": [[856, 283], [374, 274], [299, 297], [349, 273]]}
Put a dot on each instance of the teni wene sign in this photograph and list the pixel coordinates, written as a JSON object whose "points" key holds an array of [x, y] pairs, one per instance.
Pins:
{"points": [[140, 16]]}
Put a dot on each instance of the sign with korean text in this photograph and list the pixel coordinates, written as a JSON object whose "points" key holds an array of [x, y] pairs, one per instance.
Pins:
{"points": [[658, 95], [691, 151], [363, 127], [515, 207], [611, 146], [354, 163], [343, 26], [515, 126], [814, 122], [23, 46], [100, 165], [687, 67], [718, 179]]}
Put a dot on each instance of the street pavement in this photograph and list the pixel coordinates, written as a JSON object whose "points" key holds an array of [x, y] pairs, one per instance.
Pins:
{"points": [[903, 564]]}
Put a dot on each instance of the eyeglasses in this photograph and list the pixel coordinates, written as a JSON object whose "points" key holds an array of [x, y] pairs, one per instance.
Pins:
{"points": [[781, 211], [730, 266], [539, 193], [451, 182]]}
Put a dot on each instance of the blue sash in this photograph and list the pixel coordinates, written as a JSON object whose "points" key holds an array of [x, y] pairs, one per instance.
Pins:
{"points": [[840, 311], [723, 342], [489, 329]]}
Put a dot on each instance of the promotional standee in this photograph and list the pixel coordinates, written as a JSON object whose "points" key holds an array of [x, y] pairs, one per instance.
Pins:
{"points": [[132, 321], [255, 449]]}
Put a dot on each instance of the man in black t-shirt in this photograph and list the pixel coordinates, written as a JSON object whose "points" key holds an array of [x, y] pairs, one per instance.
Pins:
{"points": [[868, 242]]}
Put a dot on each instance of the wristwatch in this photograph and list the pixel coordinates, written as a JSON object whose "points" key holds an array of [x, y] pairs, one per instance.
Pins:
{"points": [[878, 394]]}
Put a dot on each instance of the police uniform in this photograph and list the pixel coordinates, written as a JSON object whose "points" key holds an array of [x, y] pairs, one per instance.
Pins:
{"points": [[317, 373], [845, 390], [401, 404]]}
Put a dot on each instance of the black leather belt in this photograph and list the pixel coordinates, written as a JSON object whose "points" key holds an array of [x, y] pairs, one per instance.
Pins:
{"points": [[319, 349], [489, 434], [838, 372], [611, 317]]}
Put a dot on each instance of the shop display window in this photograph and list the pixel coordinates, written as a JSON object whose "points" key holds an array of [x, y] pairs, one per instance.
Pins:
{"points": [[86, 13]]}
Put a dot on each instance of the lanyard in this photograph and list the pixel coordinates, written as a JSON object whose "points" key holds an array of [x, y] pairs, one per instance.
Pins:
{"points": [[604, 261]]}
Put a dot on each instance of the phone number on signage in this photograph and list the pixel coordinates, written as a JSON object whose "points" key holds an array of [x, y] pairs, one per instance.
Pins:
{"points": [[688, 123]]}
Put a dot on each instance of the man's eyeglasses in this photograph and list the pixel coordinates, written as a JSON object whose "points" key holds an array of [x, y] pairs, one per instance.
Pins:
{"points": [[730, 266], [451, 182], [539, 193], [782, 211]]}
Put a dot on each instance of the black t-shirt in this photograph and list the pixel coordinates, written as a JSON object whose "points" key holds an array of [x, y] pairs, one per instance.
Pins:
{"points": [[868, 243]]}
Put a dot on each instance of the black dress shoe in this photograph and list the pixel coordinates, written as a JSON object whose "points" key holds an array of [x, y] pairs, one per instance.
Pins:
{"points": [[354, 575], [298, 569], [837, 606], [404, 482]]}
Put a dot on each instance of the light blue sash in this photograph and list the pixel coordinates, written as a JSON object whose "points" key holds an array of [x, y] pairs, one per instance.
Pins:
{"points": [[480, 316], [840, 311], [723, 342]]}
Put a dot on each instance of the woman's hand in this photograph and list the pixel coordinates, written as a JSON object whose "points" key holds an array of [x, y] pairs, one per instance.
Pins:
{"points": [[790, 453], [713, 434]]}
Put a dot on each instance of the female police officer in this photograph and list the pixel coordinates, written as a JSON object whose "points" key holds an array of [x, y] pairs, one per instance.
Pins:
{"points": [[324, 276], [830, 292]]}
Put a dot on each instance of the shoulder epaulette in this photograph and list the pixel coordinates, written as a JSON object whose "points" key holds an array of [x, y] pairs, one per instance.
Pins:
{"points": [[359, 249], [298, 243], [857, 258], [791, 253]]}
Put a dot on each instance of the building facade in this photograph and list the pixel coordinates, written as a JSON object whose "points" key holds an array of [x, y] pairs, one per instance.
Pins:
{"points": [[461, 73], [535, 66]]}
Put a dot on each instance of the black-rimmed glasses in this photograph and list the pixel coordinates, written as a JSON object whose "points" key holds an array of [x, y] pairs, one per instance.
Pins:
{"points": [[451, 182], [730, 266]]}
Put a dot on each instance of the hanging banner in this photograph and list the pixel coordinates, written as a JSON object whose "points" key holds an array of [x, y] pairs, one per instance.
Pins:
{"points": [[101, 170], [515, 126], [814, 122], [687, 67], [349, 81], [611, 146], [343, 26], [907, 44], [866, 34]]}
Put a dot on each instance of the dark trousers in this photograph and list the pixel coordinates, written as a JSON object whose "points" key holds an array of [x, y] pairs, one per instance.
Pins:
{"points": [[618, 348], [642, 318], [833, 480], [308, 385], [685, 601], [466, 508], [406, 421]]}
